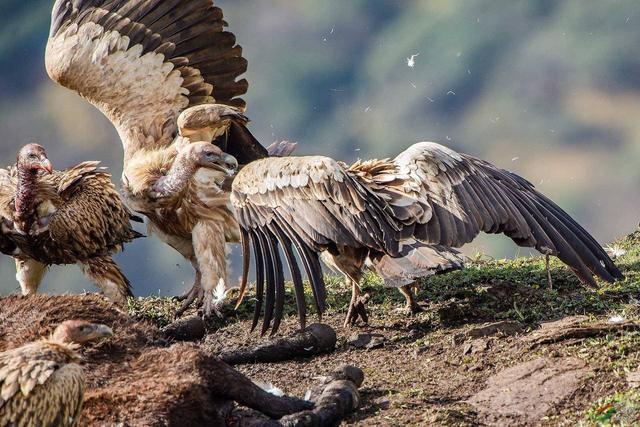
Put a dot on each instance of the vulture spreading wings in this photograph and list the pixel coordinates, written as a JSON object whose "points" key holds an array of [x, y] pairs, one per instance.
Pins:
{"points": [[166, 73], [64, 217], [429, 195]]}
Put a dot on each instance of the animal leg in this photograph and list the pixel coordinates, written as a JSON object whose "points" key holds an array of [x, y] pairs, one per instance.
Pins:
{"points": [[357, 309], [196, 294], [412, 307], [29, 273], [209, 245], [106, 275]]}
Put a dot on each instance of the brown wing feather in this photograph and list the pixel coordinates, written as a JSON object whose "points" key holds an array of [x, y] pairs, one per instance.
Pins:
{"points": [[461, 196], [142, 62], [310, 204], [39, 385]]}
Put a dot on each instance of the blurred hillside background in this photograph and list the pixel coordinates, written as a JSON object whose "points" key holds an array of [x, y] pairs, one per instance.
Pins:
{"points": [[547, 88]]}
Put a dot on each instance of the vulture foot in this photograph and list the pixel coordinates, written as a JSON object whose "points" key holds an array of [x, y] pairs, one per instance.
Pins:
{"points": [[412, 309], [196, 294], [211, 306], [357, 310]]}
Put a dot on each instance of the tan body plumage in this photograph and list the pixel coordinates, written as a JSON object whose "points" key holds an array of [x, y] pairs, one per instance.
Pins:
{"points": [[78, 217], [165, 74], [429, 194], [41, 383]]}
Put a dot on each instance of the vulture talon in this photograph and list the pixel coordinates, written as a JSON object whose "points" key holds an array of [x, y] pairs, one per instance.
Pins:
{"points": [[195, 295], [357, 310]]}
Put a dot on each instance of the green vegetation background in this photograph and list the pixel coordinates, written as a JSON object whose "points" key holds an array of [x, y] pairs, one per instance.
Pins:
{"points": [[547, 88]]}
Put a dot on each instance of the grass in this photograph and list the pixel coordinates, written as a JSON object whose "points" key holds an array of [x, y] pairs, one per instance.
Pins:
{"points": [[492, 290]]}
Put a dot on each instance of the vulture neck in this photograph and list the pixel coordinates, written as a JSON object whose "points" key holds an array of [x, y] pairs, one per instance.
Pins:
{"points": [[178, 177], [25, 201]]}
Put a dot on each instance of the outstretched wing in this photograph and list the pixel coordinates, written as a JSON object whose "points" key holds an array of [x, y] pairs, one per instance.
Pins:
{"points": [[312, 204], [142, 62], [462, 196]]}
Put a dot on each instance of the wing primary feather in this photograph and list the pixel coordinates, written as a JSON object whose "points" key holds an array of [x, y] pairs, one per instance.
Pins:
{"points": [[279, 282], [246, 260], [270, 276], [296, 275], [312, 268], [259, 262]]}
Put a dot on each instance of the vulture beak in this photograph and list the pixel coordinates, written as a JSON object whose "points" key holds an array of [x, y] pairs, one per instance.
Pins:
{"points": [[45, 165], [229, 163], [103, 331]]}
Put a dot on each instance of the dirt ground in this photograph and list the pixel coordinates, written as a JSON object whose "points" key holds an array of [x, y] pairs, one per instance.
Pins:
{"points": [[495, 346]]}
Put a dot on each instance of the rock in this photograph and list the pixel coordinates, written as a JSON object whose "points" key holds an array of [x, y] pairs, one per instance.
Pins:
{"points": [[366, 341], [190, 328], [576, 328], [525, 393], [475, 346], [505, 328], [633, 378]]}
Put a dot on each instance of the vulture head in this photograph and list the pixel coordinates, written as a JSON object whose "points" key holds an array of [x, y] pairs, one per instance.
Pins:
{"points": [[80, 332], [209, 156], [33, 158]]}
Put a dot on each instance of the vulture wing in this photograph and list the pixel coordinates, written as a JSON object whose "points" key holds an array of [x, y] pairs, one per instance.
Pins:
{"points": [[462, 196], [7, 190], [312, 204], [91, 219], [142, 62], [37, 389], [428, 193]]}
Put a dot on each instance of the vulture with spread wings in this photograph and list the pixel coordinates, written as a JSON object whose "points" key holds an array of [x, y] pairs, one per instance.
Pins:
{"points": [[429, 195], [71, 216], [165, 72]]}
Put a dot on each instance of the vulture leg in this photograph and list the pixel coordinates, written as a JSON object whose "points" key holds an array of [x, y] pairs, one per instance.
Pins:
{"points": [[350, 261], [29, 273], [195, 294], [412, 306], [357, 309], [209, 245], [106, 275]]}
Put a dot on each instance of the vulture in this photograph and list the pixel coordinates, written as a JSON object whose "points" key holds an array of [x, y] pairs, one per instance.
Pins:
{"points": [[371, 210], [41, 383], [63, 217], [166, 74]]}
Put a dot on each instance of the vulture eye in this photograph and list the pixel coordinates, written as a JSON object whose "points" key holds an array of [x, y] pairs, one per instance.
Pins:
{"points": [[211, 155]]}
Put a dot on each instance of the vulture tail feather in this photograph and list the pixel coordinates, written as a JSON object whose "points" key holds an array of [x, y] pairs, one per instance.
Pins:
{"points": [[259, 262]]}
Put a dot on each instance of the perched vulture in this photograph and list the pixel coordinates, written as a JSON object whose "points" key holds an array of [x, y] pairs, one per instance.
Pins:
{"points": [[370, 209], [63, 217], [41, 383], [166, 74]]}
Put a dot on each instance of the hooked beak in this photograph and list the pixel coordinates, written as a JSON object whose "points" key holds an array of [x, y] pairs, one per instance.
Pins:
{"points": [[46, 165], [104, 331], [230, 163]]}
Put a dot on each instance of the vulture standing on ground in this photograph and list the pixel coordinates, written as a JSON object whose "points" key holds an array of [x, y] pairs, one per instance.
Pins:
{"points": [[41, 383], [429, 193], [63, 217], [165, 73]]}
